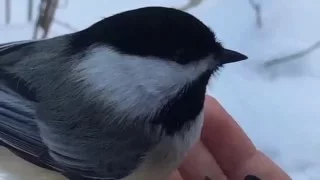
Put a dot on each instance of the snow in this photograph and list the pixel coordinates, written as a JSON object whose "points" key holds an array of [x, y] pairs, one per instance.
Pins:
{"points": [[277, 107], [279, 114]]}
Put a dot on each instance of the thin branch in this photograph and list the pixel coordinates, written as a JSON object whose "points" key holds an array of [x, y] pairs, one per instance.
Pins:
{"points": [[8, 11], [30, 10], [292, 57], [47, 11], [65, 25], [191, 4], [257, 9]]}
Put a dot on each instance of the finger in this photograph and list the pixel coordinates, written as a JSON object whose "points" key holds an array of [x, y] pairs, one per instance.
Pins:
{"points": [[261, 166], [175, 176], [200, 164], [232, 149], [224, 139]]}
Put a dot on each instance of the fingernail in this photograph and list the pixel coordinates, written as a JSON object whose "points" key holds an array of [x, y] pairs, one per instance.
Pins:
{"points": [[251, 177]]}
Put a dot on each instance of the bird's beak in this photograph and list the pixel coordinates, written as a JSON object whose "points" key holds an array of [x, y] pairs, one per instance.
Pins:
{"points": [[230, 56]]}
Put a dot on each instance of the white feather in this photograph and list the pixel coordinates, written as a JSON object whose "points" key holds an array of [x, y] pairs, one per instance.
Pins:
{"points": [[168, 154], [131, 82]]}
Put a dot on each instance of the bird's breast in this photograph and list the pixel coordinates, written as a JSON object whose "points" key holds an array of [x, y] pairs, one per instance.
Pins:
{"points": [[169, 153]]}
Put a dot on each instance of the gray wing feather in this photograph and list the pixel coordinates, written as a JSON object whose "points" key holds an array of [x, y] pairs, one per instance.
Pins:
{"points": [[19, 131], [17, 113], [61, 127], [86, 137], [6, 48]]}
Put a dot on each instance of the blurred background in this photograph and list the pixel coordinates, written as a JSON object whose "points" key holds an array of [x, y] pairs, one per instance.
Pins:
{"points": [[274, 95]]}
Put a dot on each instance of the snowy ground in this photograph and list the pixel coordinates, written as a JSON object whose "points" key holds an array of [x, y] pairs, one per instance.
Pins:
{"points": [[278, 107]]}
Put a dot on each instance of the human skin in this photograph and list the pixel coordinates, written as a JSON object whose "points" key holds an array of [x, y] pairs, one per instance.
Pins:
{"points": [[225, 152]]}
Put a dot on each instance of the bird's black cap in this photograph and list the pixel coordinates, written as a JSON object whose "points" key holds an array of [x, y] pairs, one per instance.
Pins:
{"points": [[161, 32]]}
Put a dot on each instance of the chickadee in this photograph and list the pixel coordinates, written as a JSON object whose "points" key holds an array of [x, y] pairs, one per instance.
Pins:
{"points": [[122, 99]]}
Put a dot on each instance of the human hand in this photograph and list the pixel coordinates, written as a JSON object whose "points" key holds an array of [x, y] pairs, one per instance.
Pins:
{"points": [[225, 152]]}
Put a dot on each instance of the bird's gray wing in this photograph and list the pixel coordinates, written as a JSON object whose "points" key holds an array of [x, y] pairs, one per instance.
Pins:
{"points": [[18, 129], [62, 128], [89, 137], [13, 46]]}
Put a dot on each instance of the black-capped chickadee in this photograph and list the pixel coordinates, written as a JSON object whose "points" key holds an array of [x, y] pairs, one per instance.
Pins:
{"points": [[122, 99]]}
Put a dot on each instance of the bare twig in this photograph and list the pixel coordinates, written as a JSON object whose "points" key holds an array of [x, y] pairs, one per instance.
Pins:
{"points": [[292, 57], [191, 4], [30, 10], [65, 25], [45, 18], [8, 11], [257, 9]]}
